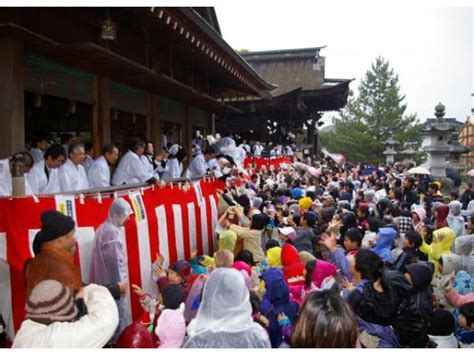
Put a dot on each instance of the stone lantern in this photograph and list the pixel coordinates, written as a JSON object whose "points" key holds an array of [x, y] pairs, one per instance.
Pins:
{"points": [[438, 132], [409, 152], [390, 151]]}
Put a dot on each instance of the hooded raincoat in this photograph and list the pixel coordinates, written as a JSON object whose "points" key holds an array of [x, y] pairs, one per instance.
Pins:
{"points": [[455, 220], [109, 257], [384, 244], [276, 300], [436, 249], [224, 318], [442, 211]]}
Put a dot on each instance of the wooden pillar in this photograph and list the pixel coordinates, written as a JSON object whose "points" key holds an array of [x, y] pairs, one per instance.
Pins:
{"points": [[153, 124], [12, 116], [101, 121]]}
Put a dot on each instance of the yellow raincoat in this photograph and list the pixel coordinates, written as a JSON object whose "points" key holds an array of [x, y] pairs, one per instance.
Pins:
{"points": [[445, 238]]}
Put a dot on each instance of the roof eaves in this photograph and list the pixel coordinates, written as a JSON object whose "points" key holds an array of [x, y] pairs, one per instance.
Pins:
{"points": [[197, 19]]}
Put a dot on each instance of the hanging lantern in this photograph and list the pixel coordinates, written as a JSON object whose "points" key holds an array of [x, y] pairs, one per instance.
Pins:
{"points": [[108, 31]]}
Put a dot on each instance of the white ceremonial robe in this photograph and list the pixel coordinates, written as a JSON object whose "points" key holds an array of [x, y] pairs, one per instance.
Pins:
{"points": [[40, 184], [37, 154], [147, 164], [72, 177], [257, 150], [6, 187], [88, 163], [131, 170], [173, 170], [198, 166], [99, 173]]}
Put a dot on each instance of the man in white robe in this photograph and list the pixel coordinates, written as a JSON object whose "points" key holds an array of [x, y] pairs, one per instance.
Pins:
{"points": [[44, 177], [39, 145], [131, 169], [72, 175], [99, 173], [198, 166]]}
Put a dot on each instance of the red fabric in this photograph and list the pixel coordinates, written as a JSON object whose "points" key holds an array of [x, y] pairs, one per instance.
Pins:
{"points": [[294, 273], [21, 215], [442, 212], [289, 255]]}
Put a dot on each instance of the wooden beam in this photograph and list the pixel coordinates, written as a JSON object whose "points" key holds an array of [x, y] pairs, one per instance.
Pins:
{"points": [[101, 112], [12, 116]]}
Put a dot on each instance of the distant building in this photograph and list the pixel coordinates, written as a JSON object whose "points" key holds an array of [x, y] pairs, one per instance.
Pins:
{"points": [[301, 95]]}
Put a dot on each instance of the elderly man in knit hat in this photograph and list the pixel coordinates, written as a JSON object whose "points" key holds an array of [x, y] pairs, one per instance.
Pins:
{"points": [[52, 318], [54, 249]]}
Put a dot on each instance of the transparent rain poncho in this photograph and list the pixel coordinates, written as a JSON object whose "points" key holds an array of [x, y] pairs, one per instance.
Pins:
{"points": [[109, 264], [464, 245], [109, 257], [224, 318]]}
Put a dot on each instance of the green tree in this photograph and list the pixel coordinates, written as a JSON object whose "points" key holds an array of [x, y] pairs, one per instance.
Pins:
{"points": [[370, 118]]}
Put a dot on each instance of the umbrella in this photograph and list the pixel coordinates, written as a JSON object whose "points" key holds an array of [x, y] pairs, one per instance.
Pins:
{"points": [[419, 170], [470, 173], [367, 171], [370, 170]]}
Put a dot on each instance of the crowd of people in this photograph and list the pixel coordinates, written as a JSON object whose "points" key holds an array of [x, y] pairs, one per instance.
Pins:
{"points": [[317, 254], [69, 166]]}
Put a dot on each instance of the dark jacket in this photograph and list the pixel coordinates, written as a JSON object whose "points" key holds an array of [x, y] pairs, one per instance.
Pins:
{"points": [[410, 197], [392, 307], [304, 240], [407, 257], [421, 274], [466, 197]]}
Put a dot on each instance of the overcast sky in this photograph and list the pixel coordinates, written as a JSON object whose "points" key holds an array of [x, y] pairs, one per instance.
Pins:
{"points": [[430, 48]]}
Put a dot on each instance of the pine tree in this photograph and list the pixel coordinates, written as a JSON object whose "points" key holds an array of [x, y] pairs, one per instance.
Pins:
{"points": [[379, 112]]}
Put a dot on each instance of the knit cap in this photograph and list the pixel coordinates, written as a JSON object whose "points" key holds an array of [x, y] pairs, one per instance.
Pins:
{"points": [[172, 296], [50, 301], [54, 225], [182, 268]]}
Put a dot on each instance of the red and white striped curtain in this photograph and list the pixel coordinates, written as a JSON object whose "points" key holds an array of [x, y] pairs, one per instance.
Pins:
{"points": [[260, 162], [169, 221]]}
